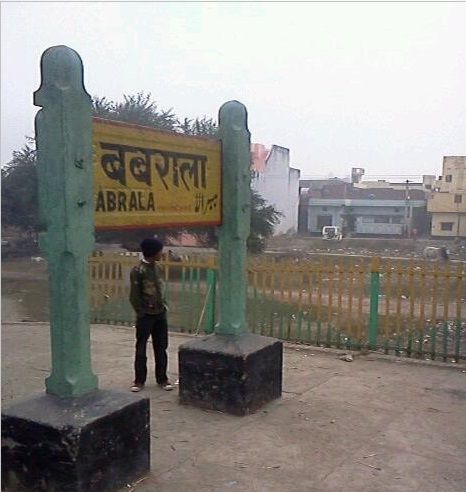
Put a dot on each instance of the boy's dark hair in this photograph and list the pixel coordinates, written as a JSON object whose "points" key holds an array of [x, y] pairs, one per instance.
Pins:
{"points": [[151, 246]]}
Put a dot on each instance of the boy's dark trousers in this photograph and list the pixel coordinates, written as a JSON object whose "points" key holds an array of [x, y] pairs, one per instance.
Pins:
{"points": [[154, 325]]}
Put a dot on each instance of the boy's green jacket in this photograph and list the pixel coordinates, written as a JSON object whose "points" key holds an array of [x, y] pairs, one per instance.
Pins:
{"points": [[146, 291]]}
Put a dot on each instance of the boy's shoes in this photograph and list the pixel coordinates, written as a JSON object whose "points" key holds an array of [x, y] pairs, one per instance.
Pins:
{"points": [[167, 386], [137, 387]]}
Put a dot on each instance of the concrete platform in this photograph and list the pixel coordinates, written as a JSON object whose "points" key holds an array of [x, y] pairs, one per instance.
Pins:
{"points": [[369, 425]]}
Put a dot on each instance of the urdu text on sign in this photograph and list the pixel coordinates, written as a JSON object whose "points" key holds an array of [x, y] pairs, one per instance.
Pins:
{"points": [[153, 178]]}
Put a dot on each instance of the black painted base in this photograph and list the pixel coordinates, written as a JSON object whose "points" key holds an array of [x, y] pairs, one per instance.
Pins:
{"points": [[233, 374], [97, 442]]}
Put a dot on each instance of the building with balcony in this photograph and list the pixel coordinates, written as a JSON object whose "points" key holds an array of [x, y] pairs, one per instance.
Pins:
{"points": [[447, 201]]}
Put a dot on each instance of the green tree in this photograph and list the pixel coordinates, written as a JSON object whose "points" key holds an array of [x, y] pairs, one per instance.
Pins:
{"points": [[200, 126], [19, 189], [264, 218], [138, 109]]}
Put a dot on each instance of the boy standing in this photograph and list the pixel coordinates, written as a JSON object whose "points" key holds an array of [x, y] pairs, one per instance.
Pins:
{"points": [[146, 297]]}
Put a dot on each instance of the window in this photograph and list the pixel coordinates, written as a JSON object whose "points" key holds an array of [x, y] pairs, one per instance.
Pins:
{"points": [[381, 219], [397, 209], [448, 178], [324, 209], [323, 220], [458, 198], [446, 226], [428, 187], [397, 220]]}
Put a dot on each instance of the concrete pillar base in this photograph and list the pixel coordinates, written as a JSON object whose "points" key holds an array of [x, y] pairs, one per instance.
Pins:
{"points": [[235, 374], [96, 442]]}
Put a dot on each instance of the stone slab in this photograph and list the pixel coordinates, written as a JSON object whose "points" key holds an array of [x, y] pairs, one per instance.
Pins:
{"points": [[96, 442], [235, 374]]}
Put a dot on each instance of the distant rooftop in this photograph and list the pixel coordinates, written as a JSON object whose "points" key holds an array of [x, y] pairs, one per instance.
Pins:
{"points": [[317, 184], [340, 190]]}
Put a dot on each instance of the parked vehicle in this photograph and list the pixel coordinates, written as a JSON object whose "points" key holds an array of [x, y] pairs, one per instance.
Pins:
{"points": [[438, 254], [332, 232]]}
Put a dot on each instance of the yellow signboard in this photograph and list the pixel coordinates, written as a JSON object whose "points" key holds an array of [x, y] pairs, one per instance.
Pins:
{"points": [[151, 178]]}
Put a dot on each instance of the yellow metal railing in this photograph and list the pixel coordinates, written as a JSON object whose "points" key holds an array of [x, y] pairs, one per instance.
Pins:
{"points": [[184, 283], [411, 307]]}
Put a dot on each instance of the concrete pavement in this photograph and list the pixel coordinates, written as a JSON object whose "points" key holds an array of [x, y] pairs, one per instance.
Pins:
{"points": [[369, 425]]}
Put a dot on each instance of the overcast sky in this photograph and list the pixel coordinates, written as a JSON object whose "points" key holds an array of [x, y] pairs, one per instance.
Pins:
{"points": [[375, 85]]}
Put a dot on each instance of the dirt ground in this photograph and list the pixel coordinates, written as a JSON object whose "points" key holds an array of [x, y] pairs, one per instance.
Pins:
{"points": [[373, 425], [360, 246], [24, 290]]}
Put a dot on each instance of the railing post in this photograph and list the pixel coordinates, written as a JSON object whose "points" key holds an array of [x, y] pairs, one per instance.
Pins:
{"points": [[211, 297], [374, 303]]}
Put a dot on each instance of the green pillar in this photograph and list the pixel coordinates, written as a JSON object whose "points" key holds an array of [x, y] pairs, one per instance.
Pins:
{"points": [[65, 175], [234, 231], [374, 303], [211, 298]]}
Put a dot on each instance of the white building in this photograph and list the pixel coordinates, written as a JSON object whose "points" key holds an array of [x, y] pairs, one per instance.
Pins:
{"points": [[277, 183]]}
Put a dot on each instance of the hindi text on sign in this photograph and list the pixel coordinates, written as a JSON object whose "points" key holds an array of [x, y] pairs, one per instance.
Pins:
{"points": [[151, 178]]}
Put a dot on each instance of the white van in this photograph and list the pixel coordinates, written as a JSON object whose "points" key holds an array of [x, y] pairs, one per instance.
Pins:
{"points": [[332, 232]]}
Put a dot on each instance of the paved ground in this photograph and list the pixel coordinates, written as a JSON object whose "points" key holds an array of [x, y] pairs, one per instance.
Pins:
{"points": [[366, 425]]}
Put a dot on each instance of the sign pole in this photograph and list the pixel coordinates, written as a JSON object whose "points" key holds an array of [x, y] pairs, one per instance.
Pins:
{"points": [[74, 437], [65, 175], [233, 234], [232, 370]]}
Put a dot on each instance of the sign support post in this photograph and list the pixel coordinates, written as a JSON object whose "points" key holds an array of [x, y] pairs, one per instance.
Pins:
{"points": [[234, 232], [74, 437], [64, 169], [232, 370]]}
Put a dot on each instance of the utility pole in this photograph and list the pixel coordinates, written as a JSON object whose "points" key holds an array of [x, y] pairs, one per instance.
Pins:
{"points": [[407, 210], [458, 218]]}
